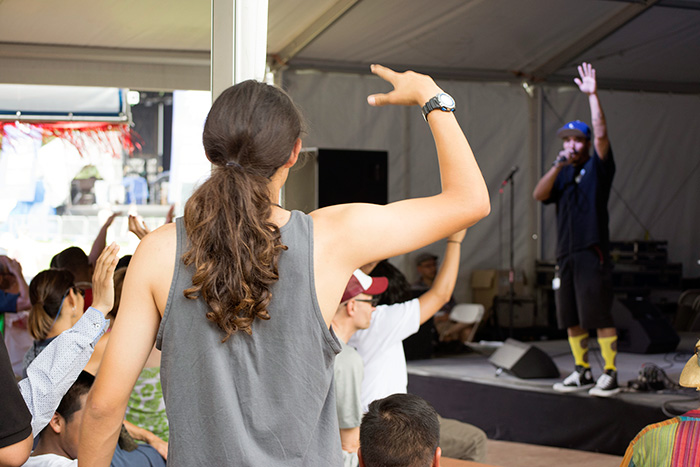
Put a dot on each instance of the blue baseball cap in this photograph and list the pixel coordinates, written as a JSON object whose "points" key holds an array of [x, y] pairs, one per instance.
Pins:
{"points": [[575, 128]]}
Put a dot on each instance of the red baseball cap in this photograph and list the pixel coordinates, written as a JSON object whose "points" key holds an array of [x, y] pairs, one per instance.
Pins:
{"points": [[361, 283]]}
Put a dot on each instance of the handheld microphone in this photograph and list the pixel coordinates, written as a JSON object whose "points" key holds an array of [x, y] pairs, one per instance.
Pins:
{"points": [[513, 170]]}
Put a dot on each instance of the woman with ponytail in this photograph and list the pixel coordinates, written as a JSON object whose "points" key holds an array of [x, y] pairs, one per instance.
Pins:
{"points": [[240, 293], [57, 304]]}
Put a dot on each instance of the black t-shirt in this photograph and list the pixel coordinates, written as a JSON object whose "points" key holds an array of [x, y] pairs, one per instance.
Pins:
{"points": [[581, 194], [15, 419]]}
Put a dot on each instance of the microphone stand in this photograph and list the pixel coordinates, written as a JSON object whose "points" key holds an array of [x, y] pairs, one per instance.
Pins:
{"points": [[511, 271]]}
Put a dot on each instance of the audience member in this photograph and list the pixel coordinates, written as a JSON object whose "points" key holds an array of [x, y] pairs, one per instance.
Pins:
{"points": [[239, 295], [57, 304], [354, 312], [14, 303], [11, 278], [76, 261], [673, 442], [16, 420], [146, 419], [401, 430], [49, 376], [383, 355], [58, 442]]}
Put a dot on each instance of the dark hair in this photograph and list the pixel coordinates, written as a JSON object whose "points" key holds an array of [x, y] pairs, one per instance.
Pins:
{"points": [[119, 275], [399, 290], [71, 401], [123, 261], [401, 430], [74, 259], [45, 292], [249, 134]]}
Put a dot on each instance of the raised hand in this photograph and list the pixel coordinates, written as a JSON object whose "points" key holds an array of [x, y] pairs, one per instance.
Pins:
{"points": [[109, 220], [410, 88], [103, 279], [137, 226], [587, 82], [171, 214]]}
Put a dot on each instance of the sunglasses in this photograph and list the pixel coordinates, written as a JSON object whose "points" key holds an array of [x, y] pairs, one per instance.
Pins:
{"points": [[65, 294], [374, 301]]}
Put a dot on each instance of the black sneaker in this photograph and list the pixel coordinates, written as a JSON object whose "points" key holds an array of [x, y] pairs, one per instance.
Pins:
{"points": [[580, 380], [606, 385]]}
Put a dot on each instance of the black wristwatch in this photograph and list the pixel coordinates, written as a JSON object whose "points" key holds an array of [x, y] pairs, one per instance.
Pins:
{"points": [[442, 101]]}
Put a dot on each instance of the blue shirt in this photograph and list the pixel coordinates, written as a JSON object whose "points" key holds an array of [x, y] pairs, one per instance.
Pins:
{"points": [[581, 194], [8, 302]]}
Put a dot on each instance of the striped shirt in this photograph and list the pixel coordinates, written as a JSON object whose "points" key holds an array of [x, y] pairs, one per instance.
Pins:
{"points": [[674, 442]]}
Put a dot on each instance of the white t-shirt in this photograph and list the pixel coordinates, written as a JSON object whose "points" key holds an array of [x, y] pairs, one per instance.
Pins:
{"points": [[50, 460], [381, 349]]}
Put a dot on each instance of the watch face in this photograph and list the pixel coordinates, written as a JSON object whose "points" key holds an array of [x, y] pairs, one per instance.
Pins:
{"points": [[446, 100]]}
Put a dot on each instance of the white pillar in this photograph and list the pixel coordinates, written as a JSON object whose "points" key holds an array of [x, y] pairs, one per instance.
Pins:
{"points": [[238, 42]]}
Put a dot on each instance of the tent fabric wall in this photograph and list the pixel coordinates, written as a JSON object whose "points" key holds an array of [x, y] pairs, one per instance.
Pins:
{"points": [[653, 136]]}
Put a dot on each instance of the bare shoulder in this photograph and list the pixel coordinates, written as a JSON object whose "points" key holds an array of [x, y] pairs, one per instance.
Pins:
{"points": [[153, 263]]}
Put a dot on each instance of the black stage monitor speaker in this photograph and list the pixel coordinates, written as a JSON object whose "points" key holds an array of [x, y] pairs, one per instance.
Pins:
{"points": [[641, 328], [523, 360]]}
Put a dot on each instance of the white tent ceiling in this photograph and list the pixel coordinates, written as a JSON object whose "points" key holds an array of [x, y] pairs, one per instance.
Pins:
{"points": [[153, 44]]}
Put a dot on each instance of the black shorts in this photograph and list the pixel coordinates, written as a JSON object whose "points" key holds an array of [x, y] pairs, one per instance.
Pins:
{"points": [[585, 293]]}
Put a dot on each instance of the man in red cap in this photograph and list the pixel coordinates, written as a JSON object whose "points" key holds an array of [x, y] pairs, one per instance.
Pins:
{"points": [[354, 312]]}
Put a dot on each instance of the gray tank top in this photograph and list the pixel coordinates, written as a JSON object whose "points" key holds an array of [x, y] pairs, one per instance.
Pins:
{"points": [[261, 400]]}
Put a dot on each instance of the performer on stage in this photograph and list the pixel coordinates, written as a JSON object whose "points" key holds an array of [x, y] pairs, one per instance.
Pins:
{"points": [[580, 186]]}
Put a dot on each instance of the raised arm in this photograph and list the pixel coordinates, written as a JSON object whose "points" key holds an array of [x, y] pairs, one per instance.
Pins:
{"points": [[56, 368], [371, 232], [130, 344], [588, 84], [101, 240], [445, 280]]}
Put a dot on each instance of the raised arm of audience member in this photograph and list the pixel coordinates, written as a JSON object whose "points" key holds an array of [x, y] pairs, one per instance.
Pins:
{"points": [[101, 240], [23, 302], [138, 226], [445, 280], [55, 369]]}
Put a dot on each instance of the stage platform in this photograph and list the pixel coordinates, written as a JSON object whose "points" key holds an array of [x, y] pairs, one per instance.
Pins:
{"points": [[466, 387]]}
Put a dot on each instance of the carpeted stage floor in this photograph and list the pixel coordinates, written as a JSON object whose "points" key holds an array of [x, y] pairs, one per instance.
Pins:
{"points": [[466, 387]]}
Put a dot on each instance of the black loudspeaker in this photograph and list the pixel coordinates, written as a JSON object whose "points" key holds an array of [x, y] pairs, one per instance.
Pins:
{"points": [[523, 360], [349, 176], [641, 328]]}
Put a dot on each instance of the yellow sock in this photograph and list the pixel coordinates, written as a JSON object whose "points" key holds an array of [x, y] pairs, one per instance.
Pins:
{"points": [[608, 347], [579, 347]]}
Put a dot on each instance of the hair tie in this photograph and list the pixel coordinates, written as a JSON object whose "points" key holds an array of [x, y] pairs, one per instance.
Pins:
{"points": [[234, 164]]}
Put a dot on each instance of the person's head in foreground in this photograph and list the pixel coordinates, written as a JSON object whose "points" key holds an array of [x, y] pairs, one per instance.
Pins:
{"points": [[251, 137], [690, 377], [401, 430], [60, 437]]}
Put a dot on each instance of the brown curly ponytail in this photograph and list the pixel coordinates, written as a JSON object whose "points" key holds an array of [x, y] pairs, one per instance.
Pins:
{"points": [[250, 132], [45, 292]]}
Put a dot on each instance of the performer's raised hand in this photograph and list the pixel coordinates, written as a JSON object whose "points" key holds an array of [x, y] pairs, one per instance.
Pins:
{"points": [[587, 82], [410, 88]]}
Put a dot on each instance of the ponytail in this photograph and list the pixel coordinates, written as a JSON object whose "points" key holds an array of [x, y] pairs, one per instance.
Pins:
{"points": [[45, 293], [249, 134]]}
